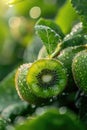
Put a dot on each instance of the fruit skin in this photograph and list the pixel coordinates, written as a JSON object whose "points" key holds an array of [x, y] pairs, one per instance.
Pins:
{"points": [[79, 69], [22, 88], [42, 53], [47, 91], [66, 56]]}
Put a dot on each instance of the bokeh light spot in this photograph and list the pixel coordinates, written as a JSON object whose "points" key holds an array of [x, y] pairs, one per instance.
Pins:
{"points": [[35, 12], [14, 22]]}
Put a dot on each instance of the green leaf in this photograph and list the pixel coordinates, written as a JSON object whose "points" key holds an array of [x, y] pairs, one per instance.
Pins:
{"points": [[48, 36], [52, 25], [81, 8], [66, 17], [74, 38], [8, 94], [53, 120]]}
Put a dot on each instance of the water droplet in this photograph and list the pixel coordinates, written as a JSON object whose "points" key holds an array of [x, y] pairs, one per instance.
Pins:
{"points": [[40, 111], [63, 110], [51, 100]]}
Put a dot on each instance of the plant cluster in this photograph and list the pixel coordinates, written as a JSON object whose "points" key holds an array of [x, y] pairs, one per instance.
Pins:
{"points": [[60, 70], [55, 84]]}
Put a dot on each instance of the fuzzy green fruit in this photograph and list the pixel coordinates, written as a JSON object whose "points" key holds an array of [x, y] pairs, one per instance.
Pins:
{"points": [[66, 56], [47, 78], [22, 87], [42, 53], [79, 69]]}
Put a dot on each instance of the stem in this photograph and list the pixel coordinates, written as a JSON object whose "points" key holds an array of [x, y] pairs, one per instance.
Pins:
{"points": [[56, 52]]}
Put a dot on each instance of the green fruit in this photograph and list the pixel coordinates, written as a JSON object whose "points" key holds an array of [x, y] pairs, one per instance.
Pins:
{"points": [[46, 78], [42, 53], [53, 120], [22, 88], [66, 56], [79, 69]]}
